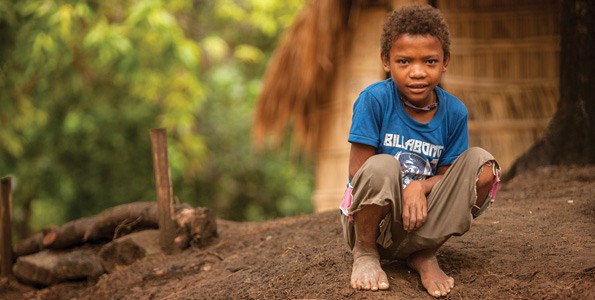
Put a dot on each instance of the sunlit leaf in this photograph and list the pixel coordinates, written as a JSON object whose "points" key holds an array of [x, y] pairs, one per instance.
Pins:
{"points": [[215, 47], [248, 53], [63, 18], [228, 9], [189, 54]]}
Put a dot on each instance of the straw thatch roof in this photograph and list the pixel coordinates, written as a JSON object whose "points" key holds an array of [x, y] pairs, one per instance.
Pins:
{"points": [[299, 77]]}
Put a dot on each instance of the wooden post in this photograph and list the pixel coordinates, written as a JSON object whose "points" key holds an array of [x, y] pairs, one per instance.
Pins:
{"points": [[6, 255], [163, 186]]}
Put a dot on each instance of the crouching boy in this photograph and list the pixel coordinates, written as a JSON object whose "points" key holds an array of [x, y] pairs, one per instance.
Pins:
{"points": [[413, 181]]}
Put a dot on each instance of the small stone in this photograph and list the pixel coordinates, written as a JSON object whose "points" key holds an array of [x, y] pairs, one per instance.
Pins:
{"points": [[206, 267], [158, 272]]}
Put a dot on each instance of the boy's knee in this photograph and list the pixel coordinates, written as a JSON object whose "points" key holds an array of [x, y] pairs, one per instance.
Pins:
{"points": [[477, 152], [487, 175], [383, 167], [479, 157]]}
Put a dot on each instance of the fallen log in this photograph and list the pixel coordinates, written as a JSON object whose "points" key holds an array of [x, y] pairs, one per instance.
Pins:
{"points": [[194, 226]]}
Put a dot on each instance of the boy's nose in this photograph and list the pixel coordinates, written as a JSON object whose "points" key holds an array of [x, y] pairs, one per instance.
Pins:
{"points": [[417, 71]]}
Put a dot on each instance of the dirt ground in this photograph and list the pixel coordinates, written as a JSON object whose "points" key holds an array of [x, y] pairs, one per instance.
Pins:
{"points": [[537, 242]]}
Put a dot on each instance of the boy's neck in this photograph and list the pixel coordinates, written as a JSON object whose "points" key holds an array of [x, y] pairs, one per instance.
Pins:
{"points": [[421, 114], [426, 108]]}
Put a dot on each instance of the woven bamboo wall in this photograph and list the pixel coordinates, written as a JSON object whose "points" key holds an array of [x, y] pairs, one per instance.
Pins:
{"points": [[505, 57]]}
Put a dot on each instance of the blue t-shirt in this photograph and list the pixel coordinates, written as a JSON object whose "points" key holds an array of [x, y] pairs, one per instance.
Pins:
{"points": [[379, 120]]}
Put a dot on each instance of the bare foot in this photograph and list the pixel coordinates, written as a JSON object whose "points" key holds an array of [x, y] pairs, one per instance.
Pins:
{"points": [[436, 282], [367, 274]]}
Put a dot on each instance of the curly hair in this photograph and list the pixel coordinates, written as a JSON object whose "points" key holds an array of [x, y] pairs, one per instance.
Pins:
{"points": [[415, 20]]}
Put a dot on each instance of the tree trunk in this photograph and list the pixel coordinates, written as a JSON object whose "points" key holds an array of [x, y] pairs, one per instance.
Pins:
{"points": [[570, 136]]}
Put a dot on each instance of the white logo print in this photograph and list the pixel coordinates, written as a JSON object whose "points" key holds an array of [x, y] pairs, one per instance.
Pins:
{"points": [[413, 167]]}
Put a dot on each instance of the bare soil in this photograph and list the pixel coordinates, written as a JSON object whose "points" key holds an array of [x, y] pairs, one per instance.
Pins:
{"points": [[537, 242]]}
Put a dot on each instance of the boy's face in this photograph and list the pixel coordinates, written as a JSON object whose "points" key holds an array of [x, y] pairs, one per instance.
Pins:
{"points": [[416, 64]]}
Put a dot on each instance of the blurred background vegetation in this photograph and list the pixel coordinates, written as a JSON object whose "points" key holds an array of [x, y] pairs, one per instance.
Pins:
{"points": [[83, 82]]}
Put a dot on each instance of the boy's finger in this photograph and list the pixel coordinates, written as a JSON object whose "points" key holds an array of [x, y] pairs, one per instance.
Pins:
{"points": [[406, 220], [412, 219], [420, 218]]}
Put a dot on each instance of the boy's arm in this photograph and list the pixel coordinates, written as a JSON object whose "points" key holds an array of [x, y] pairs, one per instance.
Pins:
{"points": [[358, 156], [415, 209]]}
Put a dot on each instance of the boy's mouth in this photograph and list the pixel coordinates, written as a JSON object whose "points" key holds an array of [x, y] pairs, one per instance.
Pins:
{"points": [[417, 88]]}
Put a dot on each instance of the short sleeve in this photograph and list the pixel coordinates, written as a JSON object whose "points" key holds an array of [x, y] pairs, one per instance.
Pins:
{"points": [[458, 139], [366, 120]]}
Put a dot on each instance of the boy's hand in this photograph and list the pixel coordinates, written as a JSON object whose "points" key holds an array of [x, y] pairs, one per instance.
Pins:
{"points": [[415, 209]]}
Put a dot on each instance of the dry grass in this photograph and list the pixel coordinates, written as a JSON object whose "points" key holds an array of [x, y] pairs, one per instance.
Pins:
{"points": [[300, 74]]}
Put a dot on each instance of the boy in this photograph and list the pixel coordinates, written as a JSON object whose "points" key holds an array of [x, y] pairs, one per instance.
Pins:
{"points": [[412, 181]]}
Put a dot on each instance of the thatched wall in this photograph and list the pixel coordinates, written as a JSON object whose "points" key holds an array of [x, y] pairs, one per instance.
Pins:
{"points": [[505, 57]]}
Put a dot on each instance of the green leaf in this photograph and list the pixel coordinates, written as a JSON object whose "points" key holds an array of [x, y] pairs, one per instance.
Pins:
{"points": [[215, 47], [248, 53]]}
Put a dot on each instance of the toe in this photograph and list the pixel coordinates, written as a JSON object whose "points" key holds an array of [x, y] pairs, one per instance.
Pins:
{"points": [[372, 285], [357, 284], [383, 285], [451, 282], [434, 290], [443, 289]]}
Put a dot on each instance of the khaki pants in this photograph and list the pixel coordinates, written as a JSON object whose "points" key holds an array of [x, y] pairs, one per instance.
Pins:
{"points": [[449, 203]]}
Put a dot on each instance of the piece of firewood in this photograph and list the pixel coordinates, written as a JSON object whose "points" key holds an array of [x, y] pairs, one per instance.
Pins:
{"points": [[49, 266], [112, 222], [125, 250], [198, 226]]}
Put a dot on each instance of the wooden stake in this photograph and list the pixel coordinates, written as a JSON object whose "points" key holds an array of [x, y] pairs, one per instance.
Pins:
{"points": [[167, 231], [6, 255]]}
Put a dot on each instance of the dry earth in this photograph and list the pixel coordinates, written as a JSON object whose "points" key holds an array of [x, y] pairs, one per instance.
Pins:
{"points": [[537, 242]]}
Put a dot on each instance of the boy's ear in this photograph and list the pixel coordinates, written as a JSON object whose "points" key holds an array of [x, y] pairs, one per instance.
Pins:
{"points": [[385, 63], [446, 62]]}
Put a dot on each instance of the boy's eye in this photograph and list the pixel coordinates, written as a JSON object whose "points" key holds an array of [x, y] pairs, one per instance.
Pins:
{"points": [[432, 61], [402, 61]]}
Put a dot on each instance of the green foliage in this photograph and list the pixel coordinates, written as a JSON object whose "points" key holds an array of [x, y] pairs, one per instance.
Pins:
{"points": [[238, 183], [246, 185], [84, 81]]}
